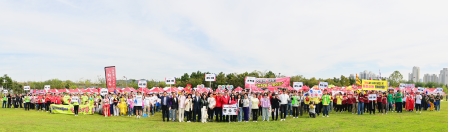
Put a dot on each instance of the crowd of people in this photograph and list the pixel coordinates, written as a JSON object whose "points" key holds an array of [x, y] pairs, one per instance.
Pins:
{"points": [[208, 107]]}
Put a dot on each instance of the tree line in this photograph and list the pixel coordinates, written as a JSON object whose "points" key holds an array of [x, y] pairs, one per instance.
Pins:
{"points": [[197, 78]]}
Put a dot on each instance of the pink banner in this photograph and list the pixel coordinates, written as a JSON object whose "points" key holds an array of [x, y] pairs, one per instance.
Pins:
{"points": [[110, 76], [270, 83]]}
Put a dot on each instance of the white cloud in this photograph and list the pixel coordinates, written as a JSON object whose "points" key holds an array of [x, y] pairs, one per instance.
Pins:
{"points": [[154, 39]]}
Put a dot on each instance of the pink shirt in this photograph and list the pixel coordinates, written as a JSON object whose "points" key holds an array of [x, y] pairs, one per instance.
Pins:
{"points": [[265, 102]]}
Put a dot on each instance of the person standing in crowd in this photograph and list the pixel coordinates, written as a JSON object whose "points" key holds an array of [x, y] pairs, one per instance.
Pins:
{"points": [[424, 102], [431, 100], [255, 107], [301, 103], [391, 100], [75, 100], [147, 104], [9, 100], [225, 100], [5, 99], [16, 101], [283, 104], [418, 102], [326, 102], [196, 102], [245, 106], [188, 108], [275, 103], [306, 100], [294, 103], [366, 102], [379, 103], [384, 106], [130, 105], [122, 104], [398, 101], [231, 102], [438, 99], [218, 108], [339, 99], [154, 100], [204, 107], [174, 102], [164, 106], [21, 100], [138, 101], [361, 99], [211, 106], [106, 106], [410, 102], [240, 108], [372, 104], [27, 102], [115, 105], [181, 106], [265, 104], [312, 111]]}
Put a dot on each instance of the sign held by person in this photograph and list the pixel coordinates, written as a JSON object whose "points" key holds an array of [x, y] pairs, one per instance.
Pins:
{"points": [[230, 109], [372, 97], [210, 77], [46, 87], [26, 88], [170, 80], [142, 83], [297, 85]]}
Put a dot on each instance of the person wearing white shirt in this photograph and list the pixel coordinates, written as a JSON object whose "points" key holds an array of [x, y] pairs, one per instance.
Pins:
{"points": [[283, 105], [147, 104], [181, 106], [418, 102], [138, 104]]}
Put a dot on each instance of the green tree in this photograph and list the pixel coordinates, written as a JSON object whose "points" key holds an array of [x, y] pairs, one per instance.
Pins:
{"points": [[395, 78], [344, 81]]}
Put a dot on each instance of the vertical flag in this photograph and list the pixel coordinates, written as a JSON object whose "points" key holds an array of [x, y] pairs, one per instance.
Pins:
{"points": [[110, 76]]}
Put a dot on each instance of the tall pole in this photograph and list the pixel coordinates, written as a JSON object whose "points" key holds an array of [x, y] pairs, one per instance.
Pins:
{"points": [[126, 81]]}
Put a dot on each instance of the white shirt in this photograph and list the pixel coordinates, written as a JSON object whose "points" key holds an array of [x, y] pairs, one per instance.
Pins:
{"points": [[284, 98], [138, 100], [418, 99], [147, 101], [74, 99]]}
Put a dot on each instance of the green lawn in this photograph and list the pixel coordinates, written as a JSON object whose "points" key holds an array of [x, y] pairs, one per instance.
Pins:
{"points": [[19, 120]]}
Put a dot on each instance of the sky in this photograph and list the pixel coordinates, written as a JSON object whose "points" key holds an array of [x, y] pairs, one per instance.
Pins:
{"points": [[75, 40]]}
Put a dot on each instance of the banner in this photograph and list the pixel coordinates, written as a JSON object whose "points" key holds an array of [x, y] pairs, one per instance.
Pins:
{"points": [[170, 80], [5, 91], [223, 87], [46, 87], [323, 85], [230, 109], [403, 85], [337, 92], [250, 80], [297, 85], [269, 82], [68, 109], [210, 77], [110, 76], [372, 97], [142, 83], [26, 88], [374, 85], [315, 93]]}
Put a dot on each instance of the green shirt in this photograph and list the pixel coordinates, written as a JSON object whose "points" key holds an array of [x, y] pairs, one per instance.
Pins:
{"points": [[326, 99], [66, 99], [390, 98], [27, 99], [4, 98], [294, 101], [398, 97], [84, 99]]}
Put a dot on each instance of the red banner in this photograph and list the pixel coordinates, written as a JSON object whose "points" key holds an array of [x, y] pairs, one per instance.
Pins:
{"points": [[270, 83], [110, 76]]}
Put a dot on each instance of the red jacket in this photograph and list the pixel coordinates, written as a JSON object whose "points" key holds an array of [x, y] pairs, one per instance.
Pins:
{"points": [[218, 102], [225, 100], [233, 101], [378, 98], [361, 99], [48, 99], [366, 98]]}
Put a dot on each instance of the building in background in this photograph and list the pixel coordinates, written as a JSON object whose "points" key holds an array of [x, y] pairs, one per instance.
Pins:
{"points": [[352, 76], [415, 75], [443, 76], [367, 75]]}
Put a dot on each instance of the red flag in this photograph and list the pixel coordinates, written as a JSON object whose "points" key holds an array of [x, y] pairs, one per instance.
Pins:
{"points": [[110, 76]]}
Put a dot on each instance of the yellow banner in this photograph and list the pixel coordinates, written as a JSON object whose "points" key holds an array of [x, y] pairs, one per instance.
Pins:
{"points": [[374, 85]]}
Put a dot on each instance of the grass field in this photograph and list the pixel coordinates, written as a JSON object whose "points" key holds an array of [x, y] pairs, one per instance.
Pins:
{"points": [[12, 120]]}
